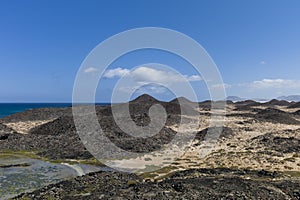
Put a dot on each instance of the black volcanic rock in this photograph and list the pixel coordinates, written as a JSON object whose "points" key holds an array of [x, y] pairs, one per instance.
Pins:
{"points": [[145, 98], [53, 140], [205, 105], [275, 102], [59, 126], [58, 139], [280, 144], [208, 104], [191, 184], [225, 133], [276, 116], [4, 136], [247, 108], [5, 132], [177, 105], [182, 100], [229, 102], [297, 112], [142, 104], [139, 109], [246, 105], [38, 114], [134, 144], [295, 105]]}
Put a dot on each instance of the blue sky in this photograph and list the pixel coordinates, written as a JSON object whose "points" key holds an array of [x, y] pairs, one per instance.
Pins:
{"points": [[255, 44]]}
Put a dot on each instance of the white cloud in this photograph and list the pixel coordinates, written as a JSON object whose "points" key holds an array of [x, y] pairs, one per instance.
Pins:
{"points": [[90, 70], [147, 74], [118, 72], [154, 89], [193, 78], [265, 88], [152, 80], [220, 86], [275, 83], [151, 75], [262, 62]]}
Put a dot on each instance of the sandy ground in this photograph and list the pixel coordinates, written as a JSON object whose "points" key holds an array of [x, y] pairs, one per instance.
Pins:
{"points": [[239, 151], [25, 126]]}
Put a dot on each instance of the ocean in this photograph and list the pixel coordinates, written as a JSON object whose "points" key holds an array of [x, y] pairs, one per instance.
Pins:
{"points": [[12, 108]]}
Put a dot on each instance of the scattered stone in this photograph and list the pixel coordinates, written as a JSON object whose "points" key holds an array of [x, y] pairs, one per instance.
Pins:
{"points": [[15, 165], [295, 105], [276, 116], [279, 144], [189, 184]]}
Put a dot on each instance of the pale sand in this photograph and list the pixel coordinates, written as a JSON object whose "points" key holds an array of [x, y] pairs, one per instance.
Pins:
{"points": [[25, 126], [232, 152]]}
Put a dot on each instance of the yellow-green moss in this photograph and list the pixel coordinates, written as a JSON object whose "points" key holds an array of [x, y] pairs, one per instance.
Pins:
{"points": [[34, 155], [293, 173]]}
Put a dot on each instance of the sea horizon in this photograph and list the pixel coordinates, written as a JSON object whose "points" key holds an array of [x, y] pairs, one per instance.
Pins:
{"points": [[7, 109]]}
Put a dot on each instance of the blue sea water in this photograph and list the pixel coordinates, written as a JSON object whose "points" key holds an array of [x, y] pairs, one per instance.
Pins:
{"points": [[12, 108]]}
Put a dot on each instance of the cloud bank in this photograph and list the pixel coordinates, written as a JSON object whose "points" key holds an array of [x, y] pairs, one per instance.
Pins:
{"points": [[146, 74], [90, 70], [275, 83], [118, 72]]}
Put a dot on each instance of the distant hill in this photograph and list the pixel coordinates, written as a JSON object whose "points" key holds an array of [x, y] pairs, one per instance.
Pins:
{"points": [[295, 98], [145, 98], [290, 98], [182, 100], [236, 99], [295, 105], [276, 102]]}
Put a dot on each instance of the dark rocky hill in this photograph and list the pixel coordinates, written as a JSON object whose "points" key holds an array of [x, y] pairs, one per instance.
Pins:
{"points": [[145, 98], [275, 102], [295, 105], [57, 139], [276, 116], [37, 114], [190, 184]]}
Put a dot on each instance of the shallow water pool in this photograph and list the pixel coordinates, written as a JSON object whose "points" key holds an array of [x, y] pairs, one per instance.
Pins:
{"points": [[22, 174]]}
